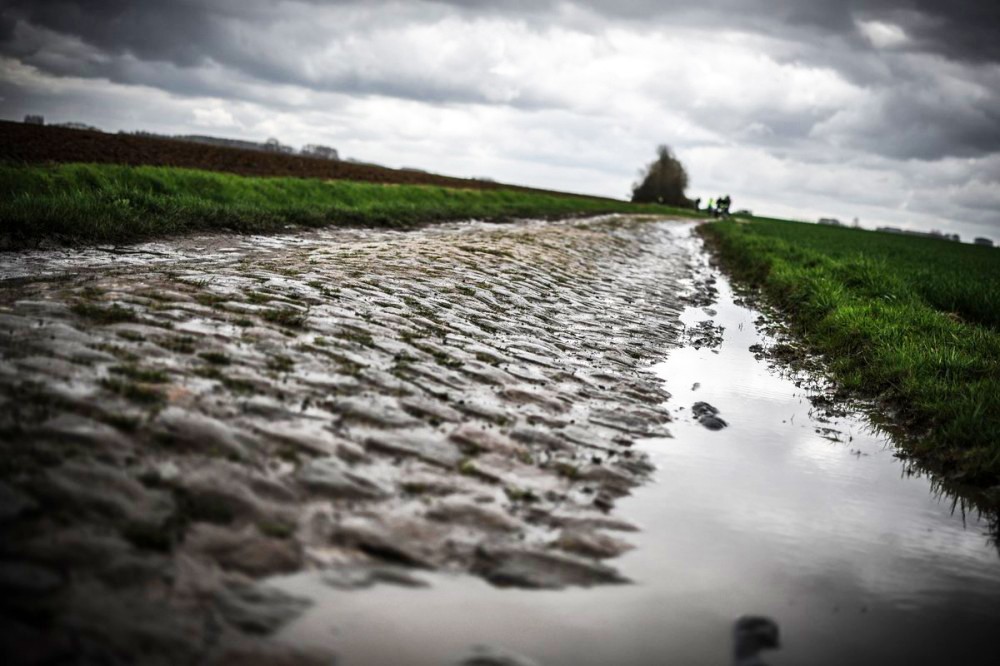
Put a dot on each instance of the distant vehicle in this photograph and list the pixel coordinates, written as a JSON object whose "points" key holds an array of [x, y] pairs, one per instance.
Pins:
{"points": [[983, 241], [831, 221]]}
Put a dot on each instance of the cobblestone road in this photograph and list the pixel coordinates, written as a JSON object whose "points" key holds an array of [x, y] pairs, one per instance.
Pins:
{"points": [[183, 420]]}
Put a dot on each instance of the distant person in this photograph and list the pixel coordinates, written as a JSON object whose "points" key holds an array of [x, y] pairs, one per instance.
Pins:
{"points": [[711, 206], [723, 206], [697, 203]]}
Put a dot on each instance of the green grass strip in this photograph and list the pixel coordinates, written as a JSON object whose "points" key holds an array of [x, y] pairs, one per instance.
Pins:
{"points": [[96, 203], [912, 321]]}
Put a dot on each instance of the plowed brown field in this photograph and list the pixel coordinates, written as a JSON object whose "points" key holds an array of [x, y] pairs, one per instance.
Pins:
{"points": [[35, 143]]}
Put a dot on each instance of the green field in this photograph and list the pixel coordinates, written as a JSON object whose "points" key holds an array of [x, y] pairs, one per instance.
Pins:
{"points": [[914, 322], [109, 203]]}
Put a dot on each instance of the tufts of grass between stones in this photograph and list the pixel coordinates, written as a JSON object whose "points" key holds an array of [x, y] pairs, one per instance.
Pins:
{"points": [[909, 321], [100, 203]]}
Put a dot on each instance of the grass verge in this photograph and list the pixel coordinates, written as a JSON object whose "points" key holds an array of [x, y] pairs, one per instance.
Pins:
{"points": [[910, 321], [97, 203]]}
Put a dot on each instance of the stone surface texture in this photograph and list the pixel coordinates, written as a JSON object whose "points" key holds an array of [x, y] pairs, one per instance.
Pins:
{"points": [[180, 421]]}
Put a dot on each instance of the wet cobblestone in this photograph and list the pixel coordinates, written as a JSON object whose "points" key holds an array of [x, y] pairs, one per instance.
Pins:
{"points": [[176, 430]]}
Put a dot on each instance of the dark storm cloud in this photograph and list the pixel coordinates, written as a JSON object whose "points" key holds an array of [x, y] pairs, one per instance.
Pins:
{"points": [[188, 34], [171, 30], [7, 24], [186, 31], [958, 29], [914, 123]]}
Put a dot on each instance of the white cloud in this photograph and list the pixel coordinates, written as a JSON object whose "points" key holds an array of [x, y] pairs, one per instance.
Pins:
{"points": [[883, 35], [214, 117]]}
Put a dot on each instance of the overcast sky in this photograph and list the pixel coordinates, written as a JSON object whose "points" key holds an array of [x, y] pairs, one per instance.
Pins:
{"points": [[886, 110]]}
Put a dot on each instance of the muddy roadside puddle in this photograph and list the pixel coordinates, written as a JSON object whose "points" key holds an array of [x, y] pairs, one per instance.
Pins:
{"points": [[782, 512]]}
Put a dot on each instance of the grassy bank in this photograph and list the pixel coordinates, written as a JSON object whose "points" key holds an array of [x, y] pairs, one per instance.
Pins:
{"points": [[110, 203], [912, 321]]}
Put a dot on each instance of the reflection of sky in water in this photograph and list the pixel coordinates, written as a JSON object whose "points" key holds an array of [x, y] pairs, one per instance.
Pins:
{"points": [[857, 562]]}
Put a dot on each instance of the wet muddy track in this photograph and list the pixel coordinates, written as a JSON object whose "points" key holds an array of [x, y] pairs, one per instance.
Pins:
{"points": [[179, 426]]}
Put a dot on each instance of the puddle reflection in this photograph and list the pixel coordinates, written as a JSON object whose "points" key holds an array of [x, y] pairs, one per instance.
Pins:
{"points": [[858, 562]]}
